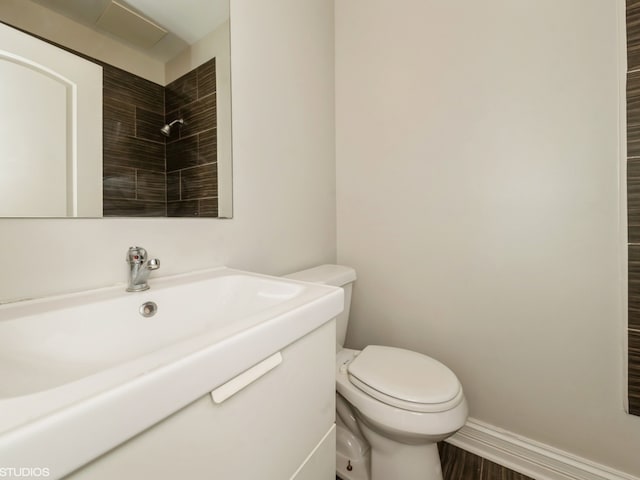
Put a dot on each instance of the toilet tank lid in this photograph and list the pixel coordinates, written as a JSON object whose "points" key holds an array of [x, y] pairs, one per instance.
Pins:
{"points": [[336, 275]]}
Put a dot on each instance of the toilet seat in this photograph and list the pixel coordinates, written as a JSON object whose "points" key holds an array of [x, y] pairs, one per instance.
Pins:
{"points": [[405, 379], [401, 421]]}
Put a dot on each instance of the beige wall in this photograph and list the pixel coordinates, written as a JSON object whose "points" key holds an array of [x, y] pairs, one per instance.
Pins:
{"points": [[478, 199], [42, 21], [284, 174]]}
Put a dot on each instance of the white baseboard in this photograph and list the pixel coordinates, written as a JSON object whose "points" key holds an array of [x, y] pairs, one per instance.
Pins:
{"points": [[533, 459]]}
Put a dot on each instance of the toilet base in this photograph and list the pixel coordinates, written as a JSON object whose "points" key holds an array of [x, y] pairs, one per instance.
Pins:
{"points": [[391, 459], [353, 455], [359, 468]]}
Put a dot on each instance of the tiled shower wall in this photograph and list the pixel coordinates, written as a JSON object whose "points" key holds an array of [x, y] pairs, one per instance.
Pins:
{"points": [[192, 186], [145, 173], [633, 200], [134, 173]]}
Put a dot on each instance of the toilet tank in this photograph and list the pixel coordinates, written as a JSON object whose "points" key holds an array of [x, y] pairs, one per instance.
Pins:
{"points": [[338, 276]]}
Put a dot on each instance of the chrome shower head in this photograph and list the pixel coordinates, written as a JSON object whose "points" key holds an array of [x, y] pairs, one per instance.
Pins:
{"points": [[166, 130]]}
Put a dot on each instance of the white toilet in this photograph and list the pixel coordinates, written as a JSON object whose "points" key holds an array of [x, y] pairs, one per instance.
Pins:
{"points": [[393, 405]]}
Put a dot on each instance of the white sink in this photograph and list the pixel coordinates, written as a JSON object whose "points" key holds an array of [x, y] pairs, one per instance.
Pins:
{"points": [[90, 370]]}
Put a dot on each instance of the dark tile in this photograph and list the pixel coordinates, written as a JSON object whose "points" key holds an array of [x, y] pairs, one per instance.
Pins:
{"points": [[148, 125], [633, 140], [633, 34], [133, 208], [123, 150], [151, 186], [209, 207], [493, 471], [458, 464], [199, 116], [633, 200], [181, 91], [634, 372], [206, 78], [118, 118], [200, 182], [633, 98], [187, 208], [182, 153], [634, 287], [118, 182], [134, 90], [173, 186], [208, 146]]}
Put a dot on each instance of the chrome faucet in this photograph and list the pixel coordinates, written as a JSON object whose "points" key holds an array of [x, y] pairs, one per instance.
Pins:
{"points": [[140, 268]]}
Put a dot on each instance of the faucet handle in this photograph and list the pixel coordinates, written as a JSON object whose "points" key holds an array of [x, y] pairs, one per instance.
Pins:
{"points": [[153, 264], [136, 255]]}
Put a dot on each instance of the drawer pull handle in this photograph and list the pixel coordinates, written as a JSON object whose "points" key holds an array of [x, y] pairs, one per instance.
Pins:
{"points": [[247, 377]]}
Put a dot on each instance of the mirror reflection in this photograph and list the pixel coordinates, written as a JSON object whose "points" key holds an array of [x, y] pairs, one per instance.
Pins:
{"points": [[158, 139]]}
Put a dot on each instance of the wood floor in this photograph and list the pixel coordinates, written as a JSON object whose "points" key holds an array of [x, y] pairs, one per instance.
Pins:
{"points": [[458, 464]]}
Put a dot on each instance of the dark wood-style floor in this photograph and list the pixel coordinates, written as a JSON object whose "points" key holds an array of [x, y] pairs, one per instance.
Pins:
{"points": [[458, 464]]}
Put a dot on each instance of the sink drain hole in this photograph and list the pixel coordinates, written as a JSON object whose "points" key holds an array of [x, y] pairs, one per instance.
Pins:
{"points": [[148, 309]]}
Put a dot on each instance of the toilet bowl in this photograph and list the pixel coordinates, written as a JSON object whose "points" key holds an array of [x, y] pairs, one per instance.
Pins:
{"points": [[392, 405]]}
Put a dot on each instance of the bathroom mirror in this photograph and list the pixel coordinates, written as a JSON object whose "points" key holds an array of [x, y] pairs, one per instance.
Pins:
{"points": [[163, 136]]}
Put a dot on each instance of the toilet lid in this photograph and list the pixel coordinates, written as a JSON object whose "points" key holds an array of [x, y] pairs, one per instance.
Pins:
{"points": [[405, 379]]}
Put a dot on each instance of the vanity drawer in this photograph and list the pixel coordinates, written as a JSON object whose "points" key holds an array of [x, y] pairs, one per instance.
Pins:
{"points": [[267, 430], [321, 464]]}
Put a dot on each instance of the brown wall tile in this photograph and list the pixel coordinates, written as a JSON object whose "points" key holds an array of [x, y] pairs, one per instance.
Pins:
{"points": [[131, 89], [119, 182], [185, 208], [134, 152], [633, 140], [118, 118], [634, 287], [633, 199], [208, 146], [182, 153], [633, 34], [151, 186], [208, 207], [148, 125], [199, 115], [200, 182], [633, 202], [133, 208], [634, 372], [134, 113], [633, 98], [206, 78], [173, 186], [182, 91]]}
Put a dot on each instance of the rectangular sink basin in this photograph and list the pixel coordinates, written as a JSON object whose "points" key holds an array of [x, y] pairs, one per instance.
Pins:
{"points": [[69, 362]]}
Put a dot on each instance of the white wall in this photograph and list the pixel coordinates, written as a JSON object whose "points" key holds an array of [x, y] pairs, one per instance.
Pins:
{"points": [[284, 173], [478, 199]]}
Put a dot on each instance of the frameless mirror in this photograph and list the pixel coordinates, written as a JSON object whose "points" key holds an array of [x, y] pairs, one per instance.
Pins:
{"points": [[115, 108]]}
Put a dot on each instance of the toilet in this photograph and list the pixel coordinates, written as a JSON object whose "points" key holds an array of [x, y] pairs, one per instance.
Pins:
{"points": [[392, 405]]}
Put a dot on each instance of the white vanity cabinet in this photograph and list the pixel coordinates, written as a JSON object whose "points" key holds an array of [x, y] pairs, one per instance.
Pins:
{"points": [[279, 427]]}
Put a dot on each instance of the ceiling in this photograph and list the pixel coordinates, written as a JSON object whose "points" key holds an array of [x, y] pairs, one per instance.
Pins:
{"points": [[160, 28]]}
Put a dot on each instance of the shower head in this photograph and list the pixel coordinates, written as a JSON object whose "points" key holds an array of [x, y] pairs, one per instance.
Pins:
{"points": [[166, 130]]}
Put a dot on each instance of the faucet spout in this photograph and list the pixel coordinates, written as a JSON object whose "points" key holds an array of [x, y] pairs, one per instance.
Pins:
{"points": [[140, 268]]}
